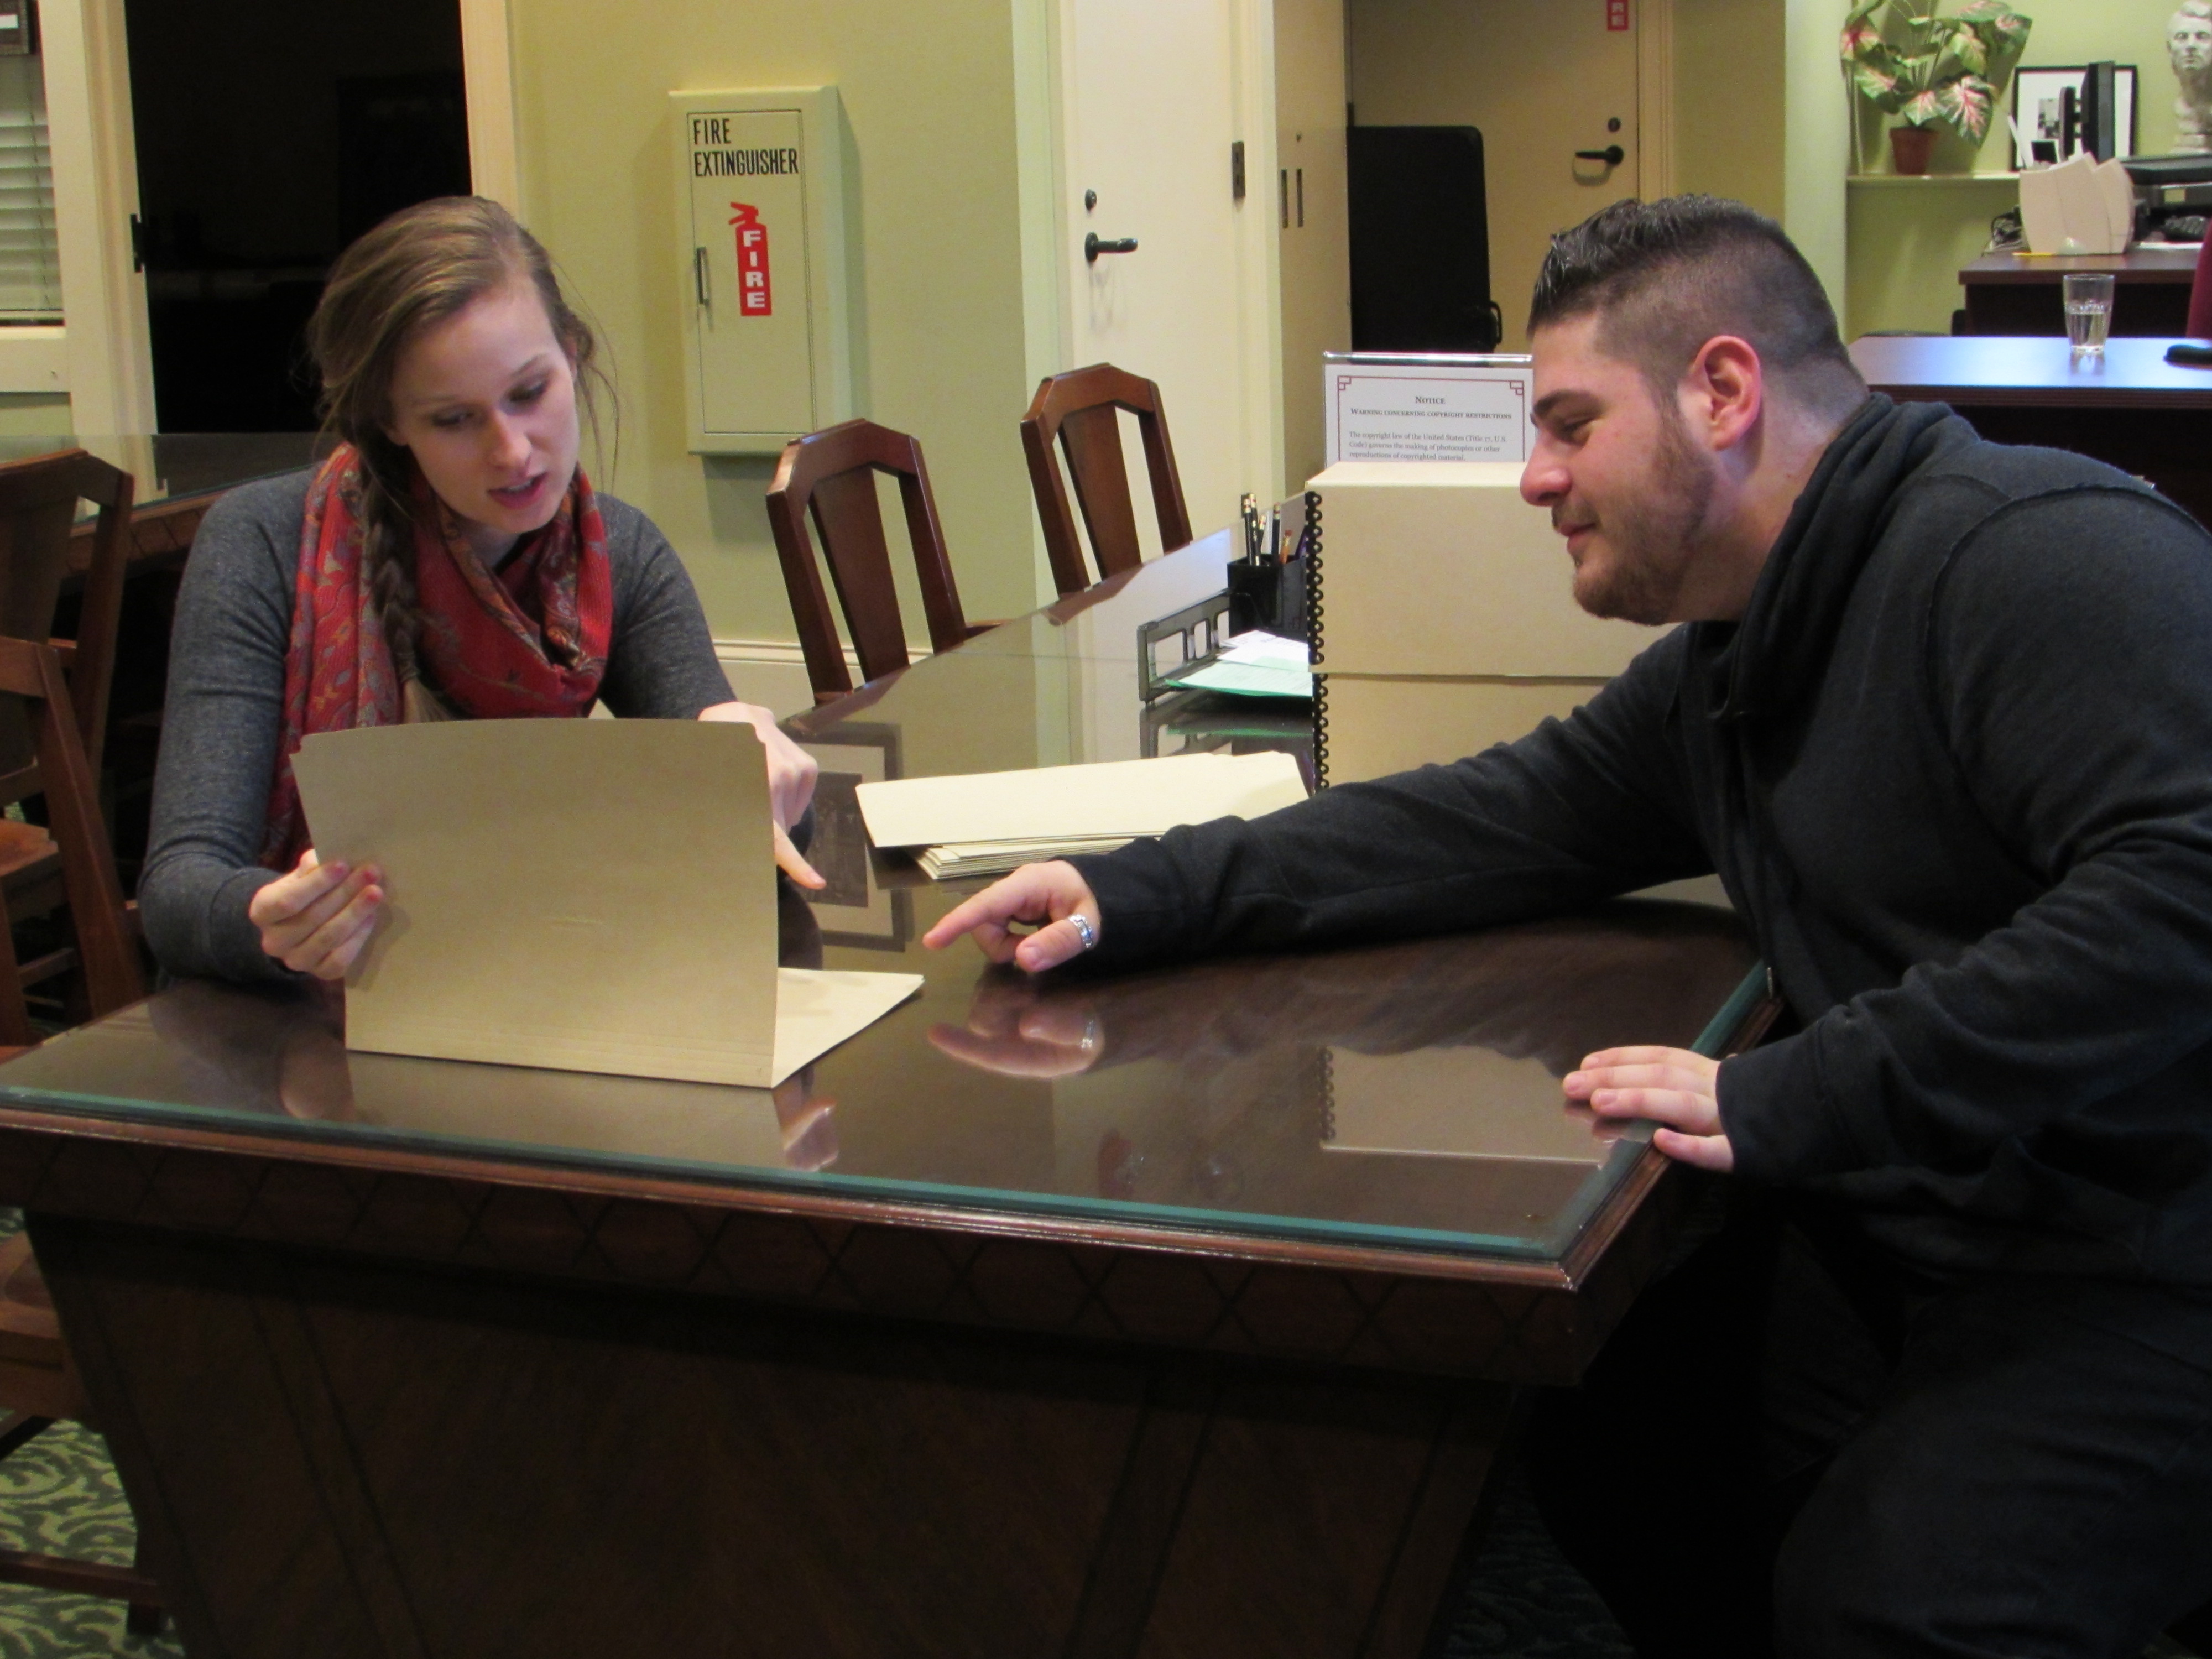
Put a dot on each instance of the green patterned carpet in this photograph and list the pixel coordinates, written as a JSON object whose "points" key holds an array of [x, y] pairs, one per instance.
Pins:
{"points": [[59, 1496]]}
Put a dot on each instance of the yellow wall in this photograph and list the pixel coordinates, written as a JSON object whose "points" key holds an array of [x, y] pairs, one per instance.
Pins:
{"points": [[34, 414], [1730, 143], [1907, 241], [928, 95]]}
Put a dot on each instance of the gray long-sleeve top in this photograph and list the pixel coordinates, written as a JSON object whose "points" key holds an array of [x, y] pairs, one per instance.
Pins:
{"points": [[224, 716]]}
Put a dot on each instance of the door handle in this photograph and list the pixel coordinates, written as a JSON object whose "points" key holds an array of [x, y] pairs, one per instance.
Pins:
{"points": [[1094, 245], [1613, 156]]}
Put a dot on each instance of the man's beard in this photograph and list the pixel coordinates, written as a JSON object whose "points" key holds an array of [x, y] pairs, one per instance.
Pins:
{"points": [[1650, 538]]}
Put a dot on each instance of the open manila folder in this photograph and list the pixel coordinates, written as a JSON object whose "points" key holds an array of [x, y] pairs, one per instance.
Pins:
{"points": [[588, 896]]}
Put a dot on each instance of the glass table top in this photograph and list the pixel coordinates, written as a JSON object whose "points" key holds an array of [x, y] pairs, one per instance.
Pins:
{"points": [[1400, 1095], [1404, 1094]]}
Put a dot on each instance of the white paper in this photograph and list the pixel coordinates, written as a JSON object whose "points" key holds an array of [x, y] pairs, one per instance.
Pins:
{"points": [[1123, 799]]}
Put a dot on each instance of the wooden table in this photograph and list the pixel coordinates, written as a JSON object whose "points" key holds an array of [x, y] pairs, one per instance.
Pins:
{"points": [[2019, 293], [1115, 1316], [2129, 407]]}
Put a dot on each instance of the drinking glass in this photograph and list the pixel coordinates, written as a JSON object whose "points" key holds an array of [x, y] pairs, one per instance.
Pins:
{"points": [[2089, 310]]}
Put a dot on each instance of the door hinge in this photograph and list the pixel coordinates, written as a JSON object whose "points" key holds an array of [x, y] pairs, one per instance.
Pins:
{"points": [[137, 243], [1237, 171]]}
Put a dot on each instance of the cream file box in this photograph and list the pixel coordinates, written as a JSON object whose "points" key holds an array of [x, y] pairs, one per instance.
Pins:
{"points": [[1439, 568], [587, 896], [1378, 726]]}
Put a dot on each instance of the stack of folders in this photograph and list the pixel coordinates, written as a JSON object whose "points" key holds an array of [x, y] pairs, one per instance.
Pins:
{"points": [[1252, 665], [986, 823]]}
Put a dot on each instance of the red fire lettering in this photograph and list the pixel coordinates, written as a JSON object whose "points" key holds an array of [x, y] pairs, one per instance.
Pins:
{"points": [[753, 292], [1616, 14]]}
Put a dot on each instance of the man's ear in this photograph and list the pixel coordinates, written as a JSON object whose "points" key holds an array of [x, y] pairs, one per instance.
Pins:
{"points": [[1723, 392]]}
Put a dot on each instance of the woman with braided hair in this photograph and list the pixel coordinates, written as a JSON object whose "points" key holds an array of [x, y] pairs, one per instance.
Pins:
{"points": [[449, 560]]}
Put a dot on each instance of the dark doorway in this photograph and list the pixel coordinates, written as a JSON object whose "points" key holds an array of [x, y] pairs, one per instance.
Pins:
{"points": [[269, 135]]}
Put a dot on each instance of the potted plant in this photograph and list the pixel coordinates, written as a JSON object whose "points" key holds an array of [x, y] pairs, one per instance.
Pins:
{"points": [[1914, 61]]}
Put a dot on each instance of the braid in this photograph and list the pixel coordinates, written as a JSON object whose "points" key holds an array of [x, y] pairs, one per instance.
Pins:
{"points": [[388, 556]]}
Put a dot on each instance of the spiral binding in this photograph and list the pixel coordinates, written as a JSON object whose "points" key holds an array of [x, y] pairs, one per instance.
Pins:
{"points": [[1312, 548], [1314, 640], [1326, 1065]]}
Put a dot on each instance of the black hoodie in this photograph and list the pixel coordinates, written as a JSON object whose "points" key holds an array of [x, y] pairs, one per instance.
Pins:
{"points": [[1955, 768]]}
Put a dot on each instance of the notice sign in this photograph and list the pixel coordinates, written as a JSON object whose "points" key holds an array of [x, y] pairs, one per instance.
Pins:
{"points": [[1427, 409]]}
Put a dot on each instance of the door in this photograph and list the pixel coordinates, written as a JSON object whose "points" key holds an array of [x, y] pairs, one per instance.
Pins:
{"points": [[1543, 80], [268, 138], [1311, 220], [1150, 110]]}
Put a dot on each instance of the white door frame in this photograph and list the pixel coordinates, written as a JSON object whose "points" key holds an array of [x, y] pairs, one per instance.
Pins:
{"points": [[105, 340], [1052, 225], [488, 81], [1654, 99]]}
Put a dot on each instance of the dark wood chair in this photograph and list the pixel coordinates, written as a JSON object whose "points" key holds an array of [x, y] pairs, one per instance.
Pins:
{"points": [[39, 1383], [1080, 408], [38, 512], [106, 948], [831, 474]]}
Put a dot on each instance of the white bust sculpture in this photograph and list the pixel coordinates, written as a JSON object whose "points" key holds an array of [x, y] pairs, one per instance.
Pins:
{"points": [[2189, 45]]}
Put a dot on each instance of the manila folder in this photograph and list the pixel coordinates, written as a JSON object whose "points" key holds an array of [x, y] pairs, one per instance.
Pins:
{"points": [[589, 896]]}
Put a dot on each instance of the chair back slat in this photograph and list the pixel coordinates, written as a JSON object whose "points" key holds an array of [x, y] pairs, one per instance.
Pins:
{"points": [[1077, 409], [828, 477], [106, 948], [38, 508], [1091, 439], [850, 521]]}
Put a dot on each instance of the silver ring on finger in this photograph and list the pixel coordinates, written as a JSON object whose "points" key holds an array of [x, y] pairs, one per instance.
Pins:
{"points": [[1083, 927]]}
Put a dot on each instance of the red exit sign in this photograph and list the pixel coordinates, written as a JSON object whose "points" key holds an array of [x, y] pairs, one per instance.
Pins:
{"points": [[1616, 14]]}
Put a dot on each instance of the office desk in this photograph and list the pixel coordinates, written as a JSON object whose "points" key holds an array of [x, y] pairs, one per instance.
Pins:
{"points": [[2019, 294], [2131, 407], [1114, 1316]]}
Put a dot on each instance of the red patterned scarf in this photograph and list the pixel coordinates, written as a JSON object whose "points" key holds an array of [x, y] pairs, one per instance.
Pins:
{"points": [[530, 639]]}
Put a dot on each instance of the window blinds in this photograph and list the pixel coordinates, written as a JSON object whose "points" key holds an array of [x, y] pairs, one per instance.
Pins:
{"points": [[30, 265]]}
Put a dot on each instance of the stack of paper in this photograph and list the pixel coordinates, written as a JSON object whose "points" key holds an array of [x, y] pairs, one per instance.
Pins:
{"points": [[2079, 206], [986, 823], [1254, 665]]}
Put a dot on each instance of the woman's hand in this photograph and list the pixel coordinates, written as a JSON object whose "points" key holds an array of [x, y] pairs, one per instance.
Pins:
{"points": [[316, 919], [791, 772]]}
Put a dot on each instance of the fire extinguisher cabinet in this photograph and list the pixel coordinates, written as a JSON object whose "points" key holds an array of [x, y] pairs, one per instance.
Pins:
{"points": [[763, 288]]}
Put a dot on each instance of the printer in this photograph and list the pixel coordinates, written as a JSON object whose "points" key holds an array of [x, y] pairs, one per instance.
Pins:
{"points": [[2173, 196]]}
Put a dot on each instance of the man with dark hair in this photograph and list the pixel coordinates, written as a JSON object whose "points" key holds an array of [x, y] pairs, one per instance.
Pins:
{"points": [[1941, 721]]}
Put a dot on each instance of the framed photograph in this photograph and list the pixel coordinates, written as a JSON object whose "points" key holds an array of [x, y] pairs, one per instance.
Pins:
{"points": [[2035, 103], [854, 909]]}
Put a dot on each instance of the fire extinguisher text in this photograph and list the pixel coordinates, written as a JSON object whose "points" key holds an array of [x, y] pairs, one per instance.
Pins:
{"points": [[755, 297]]}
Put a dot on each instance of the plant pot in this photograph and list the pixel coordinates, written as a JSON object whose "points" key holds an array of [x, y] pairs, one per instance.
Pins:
{"points": [[1910, 148]]}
